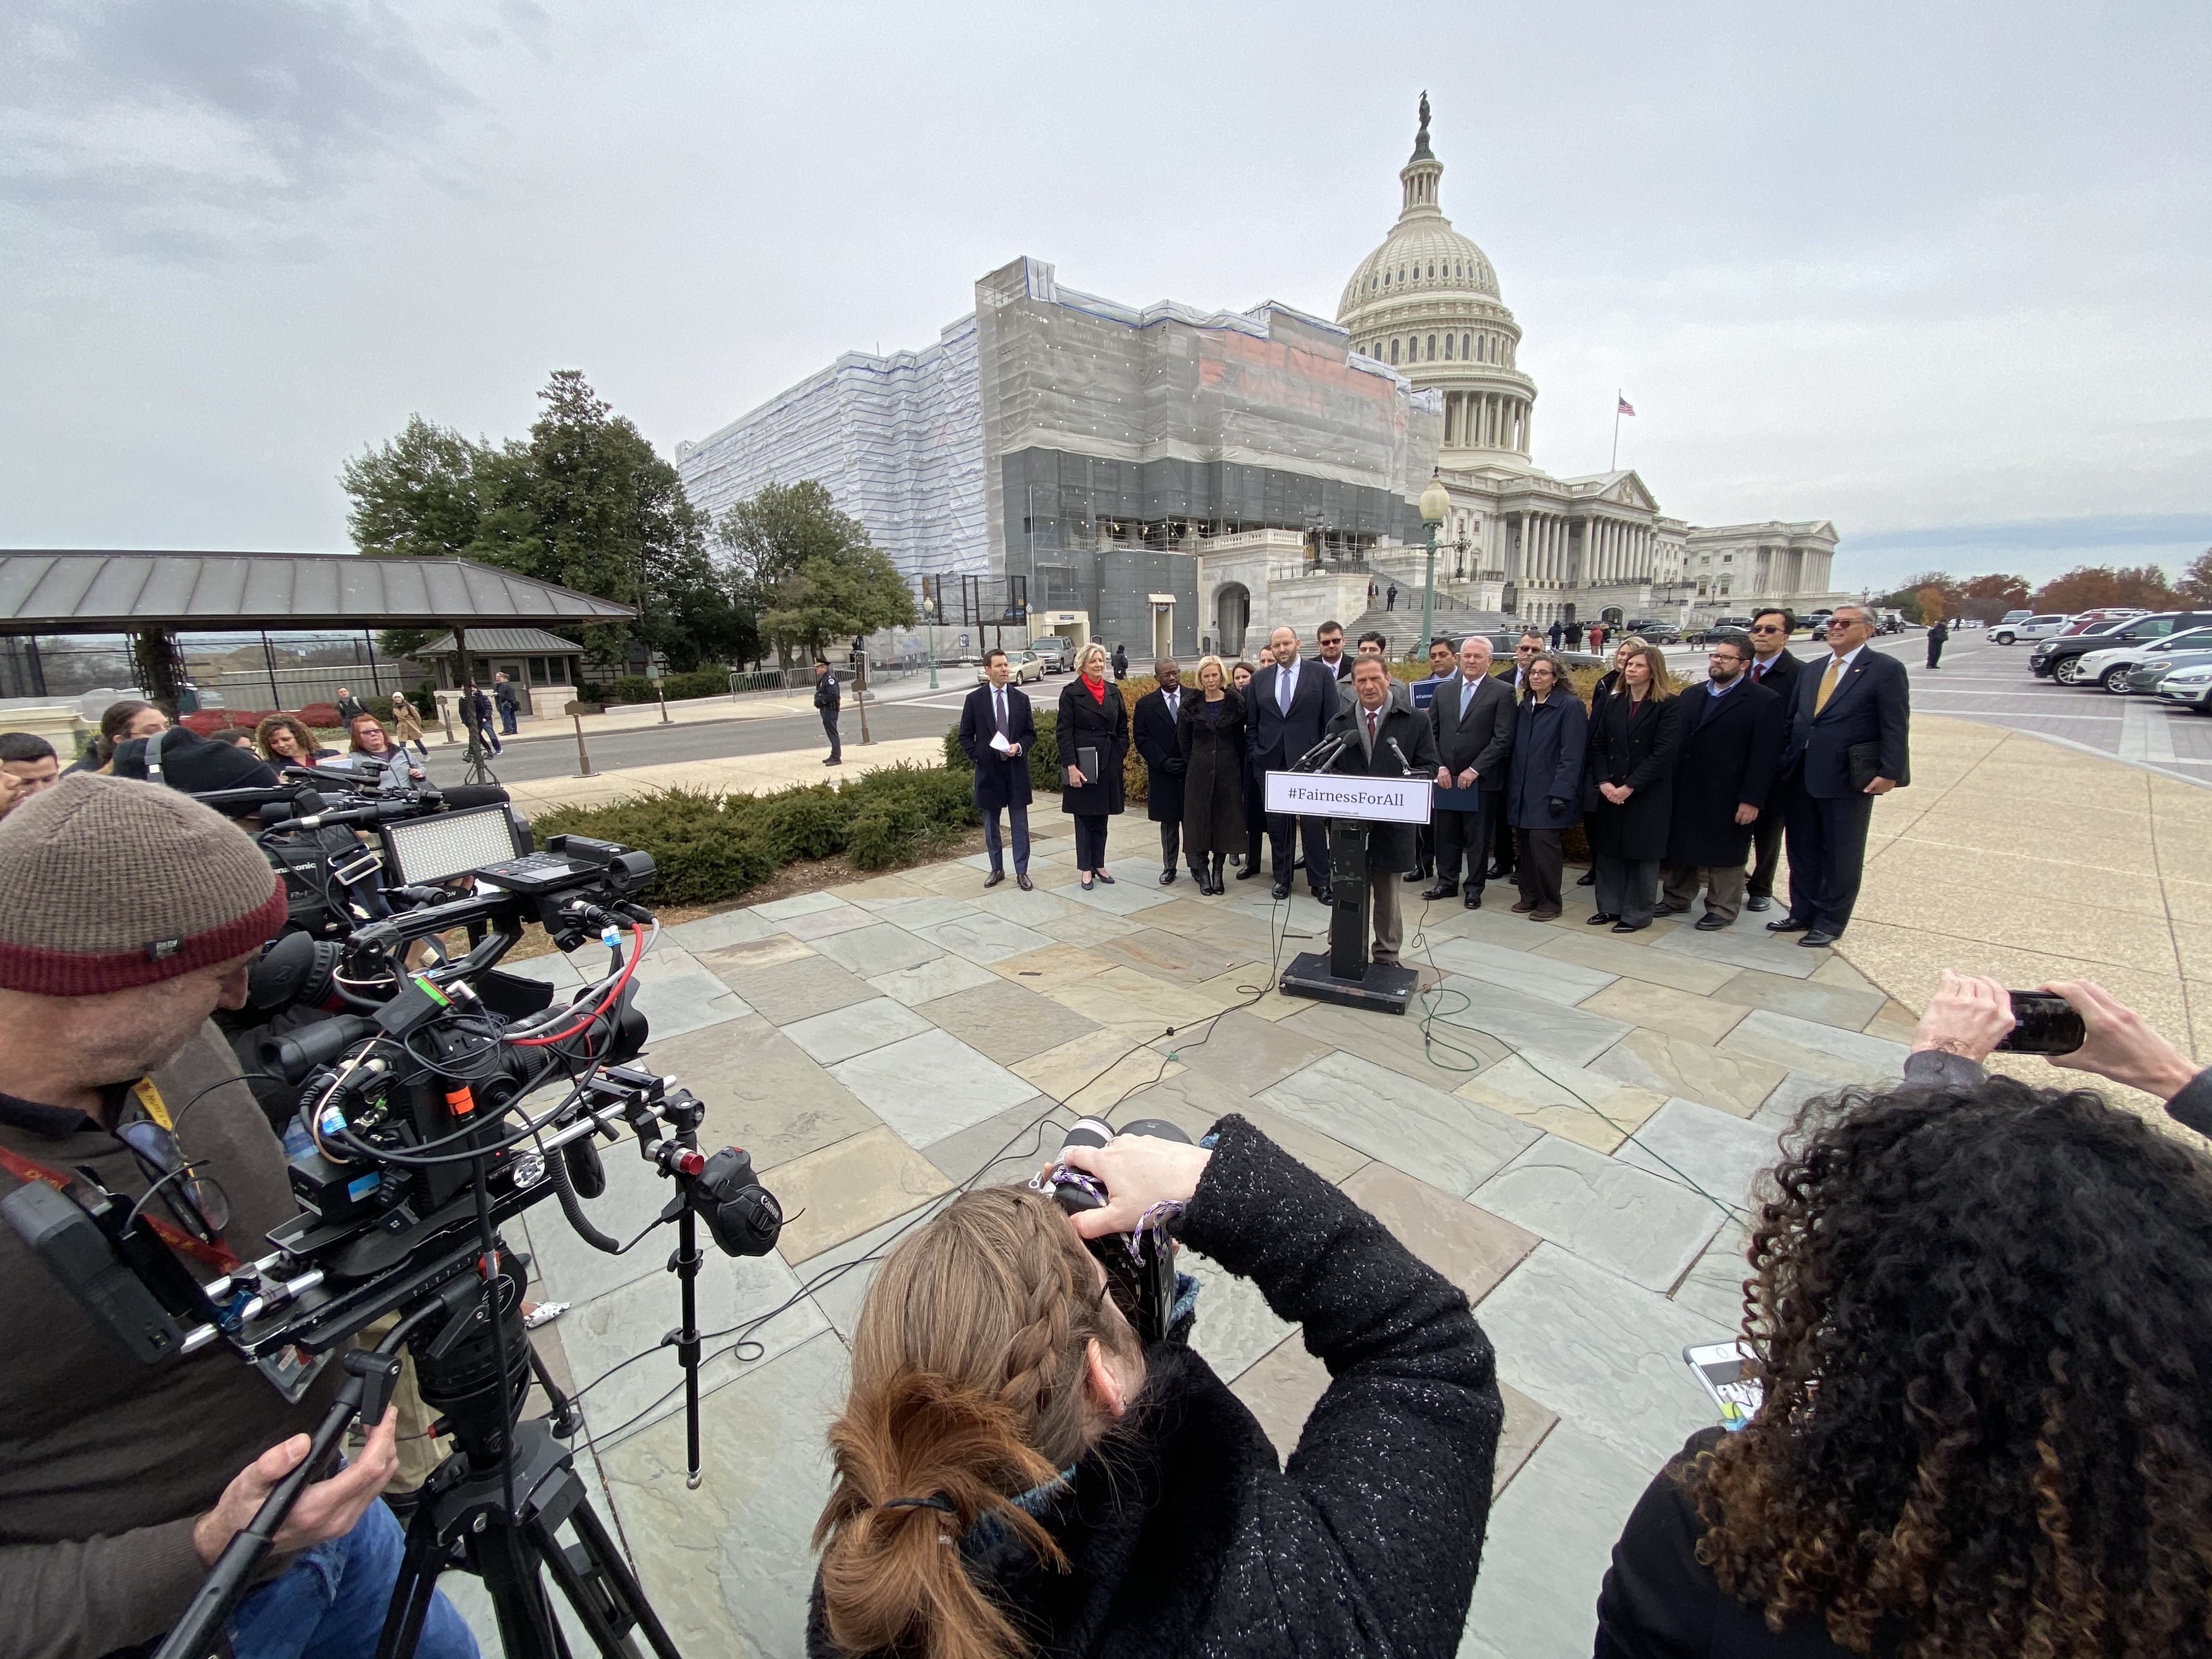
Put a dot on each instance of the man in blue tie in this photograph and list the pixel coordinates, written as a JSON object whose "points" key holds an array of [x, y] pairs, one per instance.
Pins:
{"points": [[996, 731], [1292, 703]]}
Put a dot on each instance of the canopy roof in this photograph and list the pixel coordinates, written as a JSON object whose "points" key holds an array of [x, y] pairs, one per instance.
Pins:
{"points": [[491, 642], [123, 593]]}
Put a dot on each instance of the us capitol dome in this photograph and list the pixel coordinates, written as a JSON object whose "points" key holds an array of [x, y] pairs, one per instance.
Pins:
{"points": [[1426, 302]]}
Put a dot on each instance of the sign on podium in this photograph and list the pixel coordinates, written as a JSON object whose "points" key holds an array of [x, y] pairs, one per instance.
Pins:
{"points": [[1344, 973], [1327, 795]]}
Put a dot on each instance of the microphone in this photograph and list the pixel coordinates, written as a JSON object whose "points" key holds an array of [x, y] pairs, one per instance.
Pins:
{"points": [[1336, 746], [1401, 754], [1300, 763]]}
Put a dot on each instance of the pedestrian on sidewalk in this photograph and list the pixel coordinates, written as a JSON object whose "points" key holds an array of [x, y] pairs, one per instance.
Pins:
{"points": [[407, 725], [1121, 662], [996, 730], [1390, 598], [1938, 632], [349, 706], [509, 699], [1558, 632], [827, 697], [477, 715]]}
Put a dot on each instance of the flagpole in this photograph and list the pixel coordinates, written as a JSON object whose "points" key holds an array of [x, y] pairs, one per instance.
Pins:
{"points": [[1614, 465]]}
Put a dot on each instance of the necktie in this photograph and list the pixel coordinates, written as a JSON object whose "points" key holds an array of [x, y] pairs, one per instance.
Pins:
{"points": [[1370, 731], [1467, 698], [1827, 685], [1286, 686], [999, 696], [1758, 672]]}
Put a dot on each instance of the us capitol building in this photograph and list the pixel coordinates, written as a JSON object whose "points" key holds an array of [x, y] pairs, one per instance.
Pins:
{"points": [[1177, 480]]}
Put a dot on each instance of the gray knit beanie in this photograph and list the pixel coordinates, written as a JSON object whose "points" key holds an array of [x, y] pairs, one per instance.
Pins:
{"points": [[106, 883]]}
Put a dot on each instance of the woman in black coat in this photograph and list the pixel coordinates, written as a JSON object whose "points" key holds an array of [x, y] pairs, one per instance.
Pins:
{"points": [[1636, 736], [1210, 734], [1601, 693], [1255, 811], [1092, 716], [1036, 1474], [1544, 780]]}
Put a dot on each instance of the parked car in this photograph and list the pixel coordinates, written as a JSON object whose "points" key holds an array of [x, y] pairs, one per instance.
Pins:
{"points": [[2083, 621], [2111, 667], [1706, 632], [2189, 686], [2147, 677], [1025, 664], [2060, 658], [2044, 627], [1054, 651], [1653, 630]]}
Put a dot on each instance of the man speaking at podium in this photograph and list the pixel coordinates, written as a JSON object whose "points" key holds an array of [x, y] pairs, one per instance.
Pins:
{"points": [[1388, 741]]}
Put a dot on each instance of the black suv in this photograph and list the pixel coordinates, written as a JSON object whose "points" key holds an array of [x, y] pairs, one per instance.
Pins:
{"points": [[2059, 657]]}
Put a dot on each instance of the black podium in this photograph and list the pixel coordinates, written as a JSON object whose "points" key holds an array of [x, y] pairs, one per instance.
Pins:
{"points": [[1344, 973]]}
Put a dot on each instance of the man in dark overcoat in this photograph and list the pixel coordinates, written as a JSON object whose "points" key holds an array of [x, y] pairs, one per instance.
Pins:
{"points": [[1290, 707], [1774, 666], [1731, 745], [999, 710], [1153, 723], [1390, 741]]}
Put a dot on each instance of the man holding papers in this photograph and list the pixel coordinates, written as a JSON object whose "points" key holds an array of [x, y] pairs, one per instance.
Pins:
{"points": [[996, 730]]}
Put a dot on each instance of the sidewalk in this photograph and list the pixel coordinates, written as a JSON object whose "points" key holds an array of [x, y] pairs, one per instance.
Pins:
{"points": [[750, 775]]}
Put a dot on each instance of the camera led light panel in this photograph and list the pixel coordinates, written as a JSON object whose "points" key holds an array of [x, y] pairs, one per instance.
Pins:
{"points": [[421, 851]]}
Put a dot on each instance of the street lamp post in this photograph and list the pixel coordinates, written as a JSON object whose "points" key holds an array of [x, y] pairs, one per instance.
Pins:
{"points": [[1435, 503]]}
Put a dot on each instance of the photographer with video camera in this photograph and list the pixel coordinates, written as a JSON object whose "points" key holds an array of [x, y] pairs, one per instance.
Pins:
{"points": [[1018, 1470], [122, 1483]]}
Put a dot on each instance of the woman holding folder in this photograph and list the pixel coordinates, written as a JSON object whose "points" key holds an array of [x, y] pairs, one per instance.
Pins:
{"points": [[1093, 737]]}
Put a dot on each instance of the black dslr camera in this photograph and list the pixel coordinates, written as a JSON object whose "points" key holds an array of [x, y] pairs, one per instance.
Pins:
{"points": [[1140, 1266]]}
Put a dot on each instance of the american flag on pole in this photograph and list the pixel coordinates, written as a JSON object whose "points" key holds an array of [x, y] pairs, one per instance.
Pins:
{"points": [[1624, 408]]}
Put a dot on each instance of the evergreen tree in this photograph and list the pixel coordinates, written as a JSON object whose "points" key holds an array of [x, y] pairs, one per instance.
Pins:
{"points": [[808, 571]]}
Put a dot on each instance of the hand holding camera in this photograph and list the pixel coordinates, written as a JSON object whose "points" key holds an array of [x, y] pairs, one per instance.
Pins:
{"points": [[1139, 1172]]}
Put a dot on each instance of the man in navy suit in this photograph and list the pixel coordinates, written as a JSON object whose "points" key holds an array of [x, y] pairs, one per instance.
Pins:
{"points": [[1851, 717], [1002, 771], [1291, 704]]}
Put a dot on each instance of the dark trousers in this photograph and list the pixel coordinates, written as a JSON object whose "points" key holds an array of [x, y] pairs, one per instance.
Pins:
{"points": [[1537, 870], [1019, 816], [1255, 817], [1285, 834], [1171, 842], [1828, 856], [1090, 840], [1766, 847], [1934, 652], [1627, 887], [830, 726], [1466, 836], [1501, 841]]}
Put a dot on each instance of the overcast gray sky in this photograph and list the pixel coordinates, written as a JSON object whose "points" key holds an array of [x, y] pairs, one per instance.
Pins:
{"points": [[1941, 273]]}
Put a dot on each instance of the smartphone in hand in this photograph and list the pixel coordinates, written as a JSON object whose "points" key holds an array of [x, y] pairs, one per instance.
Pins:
{"points": [[1720, 1368], [2044, 1025]]}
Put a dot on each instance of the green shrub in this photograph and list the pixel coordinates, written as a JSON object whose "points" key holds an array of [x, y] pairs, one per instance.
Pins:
{"points": [[631, 687], [806, 822], [699, 683], [881, 837]]}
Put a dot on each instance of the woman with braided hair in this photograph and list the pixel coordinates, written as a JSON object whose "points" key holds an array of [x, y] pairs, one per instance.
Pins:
{"points": [[1016, 1473], [1978, 1314]]}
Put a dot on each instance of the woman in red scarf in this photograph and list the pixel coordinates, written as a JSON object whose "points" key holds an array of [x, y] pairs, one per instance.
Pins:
{"points": [[1092, 719]]}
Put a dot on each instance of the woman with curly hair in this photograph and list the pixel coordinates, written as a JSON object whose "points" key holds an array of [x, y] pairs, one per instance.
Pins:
{"points": [[1978, 1317]]}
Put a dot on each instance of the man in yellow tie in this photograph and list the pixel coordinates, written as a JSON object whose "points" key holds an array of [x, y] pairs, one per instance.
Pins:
{"points": [[1848, 743]]}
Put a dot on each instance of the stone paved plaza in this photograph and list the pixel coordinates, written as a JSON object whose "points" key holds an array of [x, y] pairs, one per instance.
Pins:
{"points": [[1570, 1139]]}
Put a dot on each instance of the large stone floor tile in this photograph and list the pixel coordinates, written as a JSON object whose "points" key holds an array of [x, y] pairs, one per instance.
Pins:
{"points": [[1837, 971], [1566, 983], [716, 931], [1629, 957], [1137, 1004], [779, 910], [762, 1091], [1666, 1065], [983, 939], [1807, 998], [1605, 1354], [1804, 1045], [750, 956], [879, 890], [1747, 944], [1614, 1215], [1528, 1422], [1712, 1153], [928, 1086], [2065, 871], [1173, 958], [882, 949], [1661, 1008], [675, 1003], [1129, 894], [926, 911], [1550, 1541], [1532, 1023], [745, 1292], [1235, 1325], [1450, 1143], [926, 982], [1281, 1388], [1197, 1102], [1213, 922], [1094, 1073], [1005, 1148], [1779, 1110], [847, 1188], [1470, 1246], [1248, 1054], [1301, 913], [1714, 1285], [1974, 915], [1005, 1021], [854, 1029], [837, 1278], [1051, 966], [1081, 925], [793, 991], [820, 924], [728, 1567], [1547, 1094]]}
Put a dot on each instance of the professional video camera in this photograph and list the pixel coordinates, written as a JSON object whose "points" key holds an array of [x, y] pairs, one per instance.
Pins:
{"points": [[416, 1136]]}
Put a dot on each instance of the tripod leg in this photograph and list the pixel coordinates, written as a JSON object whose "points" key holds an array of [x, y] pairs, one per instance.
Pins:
{"points": [[411, 1592], [604, 1594]]}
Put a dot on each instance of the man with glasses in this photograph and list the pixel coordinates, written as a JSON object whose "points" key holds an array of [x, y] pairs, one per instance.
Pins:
{"points": [[121, 1484], [1329, 638], [1774, 666], [1847, 745]]}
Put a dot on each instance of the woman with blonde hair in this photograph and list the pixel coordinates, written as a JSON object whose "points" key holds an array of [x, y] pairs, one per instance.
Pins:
{"points": [[407, 725], [1015, 1473], [1092, 717], [1635, 738], [1210, 734]]}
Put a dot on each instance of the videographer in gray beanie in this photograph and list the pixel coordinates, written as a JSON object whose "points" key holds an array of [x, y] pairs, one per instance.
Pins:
{"points": [[120, 1483]]}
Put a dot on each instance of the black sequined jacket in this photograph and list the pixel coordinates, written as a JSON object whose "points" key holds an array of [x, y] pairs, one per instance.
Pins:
{"points": [[1183, 1532]]}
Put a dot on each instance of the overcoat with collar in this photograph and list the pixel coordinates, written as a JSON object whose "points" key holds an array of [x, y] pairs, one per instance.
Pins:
{"points": [[1635, 744], [1279, 739], [1000, 782], [1730, 747], [1872, 704]]}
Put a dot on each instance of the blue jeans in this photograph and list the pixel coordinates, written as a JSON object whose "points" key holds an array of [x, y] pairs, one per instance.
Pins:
{"points": [[331, 1604]]}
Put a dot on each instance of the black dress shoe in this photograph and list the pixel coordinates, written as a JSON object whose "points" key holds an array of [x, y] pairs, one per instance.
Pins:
{"points": [[1167, 876], [1282, 889], [1817, 938], [1417, 873], [1497, 872], [1631, 926], [994, 878], [1788, 925], [1022, 881], [1710, 924], [1247, 872], [1666, 909], [1758, 901], [1600, 919], [1103, 876], [1324, 895], [1442, 889], [1473, 900], [1588, 878]]}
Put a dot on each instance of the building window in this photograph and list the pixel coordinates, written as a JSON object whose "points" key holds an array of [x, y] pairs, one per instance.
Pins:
{"points": [[537, 671], [1432, 271], [1393, 351], [1432, 348], [1448, 347], [1467, 345]]}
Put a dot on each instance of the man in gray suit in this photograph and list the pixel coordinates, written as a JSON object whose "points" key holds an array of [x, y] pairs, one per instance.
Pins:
{"points": [[1471, 718]]}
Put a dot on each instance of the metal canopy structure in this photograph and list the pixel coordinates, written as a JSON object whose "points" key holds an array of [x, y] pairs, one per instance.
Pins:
{"points": [[142, 592]]}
